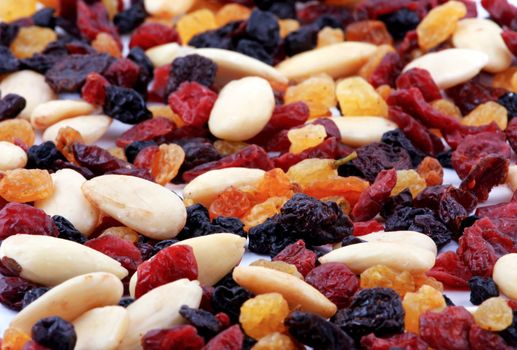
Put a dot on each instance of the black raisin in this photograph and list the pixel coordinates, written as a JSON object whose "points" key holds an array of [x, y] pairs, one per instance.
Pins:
{"points": [[199, 224], [397, 138], [197, 152], [11, 105], [229, 224], [126, 301], [349, 240], [131, 18], [268, 238], [448, 301], [32, 295], [8, 63], [125, 105], [207, 325], [402, 200], [400, 22], [445, 159], [7, 33], [481, 289], [254, 49], [219, 38], [510, 334], [263, 28], [303, 39], [54, 333], [230, 300], [429, 225], [45, 18], [67, 230], [137, 55], [43, 156], [191, 68], [375, 157], [509, 101], [163, 244], [132, 150]]}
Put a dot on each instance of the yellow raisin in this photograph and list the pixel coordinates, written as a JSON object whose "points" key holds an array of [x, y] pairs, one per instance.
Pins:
{"points": [[312, 169], [506, 79], [439, 24], [14, 339], [164, 111], [288, 26], [263, 315], [383, 276], [31, 40], [104, 43], [494, 314], [487, 113], [275, 341], [262, 211], [431, 171], [167, 162], [65, 139], [328, 36], [447, 107], [374, 32], [11, 10], [384, 91], [369, 67], [415, 304], [12, 130], [26, 185], [229, 147], [195, 23], [306, 137], [111, 6], [121, 232], [421, 278], [318, 92], [230, 13], [118, 152], [411, 180], [358, 98], [279, 266]]}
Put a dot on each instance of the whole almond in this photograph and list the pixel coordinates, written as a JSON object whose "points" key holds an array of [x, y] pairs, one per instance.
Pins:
{"points": [[101, 328], [69, 202], [91, 127], [298, 293], [142, 205], [49, 113], [512, 177], [49, 260], [505, 275], [417, 239], [164, 54], [11, 156], [166, 8], [361, 131], [71, 299]]}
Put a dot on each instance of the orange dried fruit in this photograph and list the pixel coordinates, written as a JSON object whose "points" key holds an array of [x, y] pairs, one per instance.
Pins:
{"points": [[26, 185], [349, 188], [409, 179], [374, 32], [487, 113], [262, 211], [167, 162], [415, 304], [230, 13], [306, 137], [13, 130], [358, 98], [279, 266], [104, 43], [11, 10], [31, 40], [373, 62], [14, 339], [506, 79], [229, 147], [121, 232], [65, 139], [431, 171], [274, 183], [447, 107], [385, 277], [439, 24], [312, 169], [195, 23], [494, 314], [275, 341], [231, 202], [263, 315], [288, 26]]}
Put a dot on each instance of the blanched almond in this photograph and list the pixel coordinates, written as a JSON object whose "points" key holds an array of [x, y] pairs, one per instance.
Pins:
{"points": [[361, 131], [167, 8], [68, 201], [505, 275], [91, 127], [159, 308], [298, 293], [205, 188], [71, 299], [142, 205], [417, 239], [49, 113], [338, 60], [49, 260], [164, 54], [511, 179], [101, 328], [11, 156]]}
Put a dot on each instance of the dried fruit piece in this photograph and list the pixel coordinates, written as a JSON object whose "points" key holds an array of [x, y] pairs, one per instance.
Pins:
{"points": [[15, 339], [153, 34], [312, 169], [374, 32], [371, 201], [105, 43], [231, 202], [448, 329], [193, 102], [279, 266], [494, 314], [195, 23], [431, 171], [26, 185], [373, 62], [421, 79], [262, 211], [167, 162], [439, 24], [447, 107], [415, 304], [406, 340], [275, 341], [306, 137], [349, 188], [264, 314], [296, 254], [31, 40], [409, 179], [487, 113], [13, 10], [383, 276], [328, 36], [318, 92], [230, 13], [358, 98], [16, 130], [65, 139], [506, 79], [288, 26]]}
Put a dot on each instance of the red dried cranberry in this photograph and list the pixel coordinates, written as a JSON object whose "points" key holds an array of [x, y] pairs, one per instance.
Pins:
{"points": [[301, 257], [480, 339], [123, 72], [97, 159], [144, 158], [179, 337], [422, 80], [510, 39], [158, 90], [491, 171], [387, 71], [408, 45], [501, 11], [93, 19], [399, 341], [145, 131], [336, 281], [12, 290], [153, 34], [366, 227], [119, 249], [451, 271], [371, 201], [193, 103], [448, 329], [224, 319], [511, 134], [230, 339], [94, 89], [170, 264], [471, 94], [17, 218]]}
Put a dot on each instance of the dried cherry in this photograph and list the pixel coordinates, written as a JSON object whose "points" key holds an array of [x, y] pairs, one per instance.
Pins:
{"points": [[119, 249], [93, 19], [299, 256], [182, 337], [12, 291], [193, 103], [17, 218], [123, 72], [399, 341], [145, 131], [153, 34], [422, 80], [448, 329]]}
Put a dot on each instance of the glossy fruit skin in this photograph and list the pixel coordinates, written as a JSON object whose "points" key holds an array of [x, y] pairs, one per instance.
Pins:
{"points": [[448, 329], [146, 130], [94, 89], [400, 22], [55, 333], [130, 18], [398, 138], [191, 68], [11, 105], [67, 230], [123, 72], [263, 315], [229, 300], [182, 337], [299, 256], [32, 295], [199, 224], [471, 94], [422, 80], [451, 271], [371, 201], [399, 341], [230, 339], [153, 34], [119, 249], [13, 290], [125, 105], [206, 324], [482, 288], [17, 218], [193, 102]]}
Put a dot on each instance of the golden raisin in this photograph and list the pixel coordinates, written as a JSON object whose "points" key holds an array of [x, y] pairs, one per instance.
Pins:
{"points": [[385, 277], [111, 6], [14, 339], [374, 32], [65, 139], [167, 162], [373, 62], [26, 185], [411, 180], [229, 147], [195, 23], [104, 43], [506, 79], [11, 10], [164, 111], [415, 304], [487, 113], [287, 26], [358, 98], [230, 13], [312, 169], [494, 314], [118, 152], [447, 107], [431, 171], [31, 40], [275, 341], [318, 92], [231, 202], [328, 36], [263, 315], [279, 266], [349, 188], [262, 211], [12, 130], [421, 278], [121, 232], [439, 24], [384, 91], [306, 137], [274, 183]]}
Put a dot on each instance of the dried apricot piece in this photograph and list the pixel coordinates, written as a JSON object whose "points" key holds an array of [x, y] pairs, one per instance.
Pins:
{"points": [[349, 188], [439, 24], [358, 98], [274, 183], [318, 92], [13, 130], [14, 339], [431, 171], [494, 314], [306, 137], [26, 185], [374, 32], [411, 180], [262, 211], [167, 162], [31, 40], [279, 266], [230, 13], [385, 277], [421, 279], [105, 43], [415, 304], [195, 23], [487, 113], [328, 36], [263, 315]]}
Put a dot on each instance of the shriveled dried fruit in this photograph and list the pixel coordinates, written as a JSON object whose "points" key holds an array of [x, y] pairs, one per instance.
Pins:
{"points": [[373, 62], [26, 185], [406, 340], [16, 130], [415, 304], [447, 107], [167, 162], [307, 137], [383, 276], [31, 40], [494, 314], [65, 139], [409, 179], [317, 92], [487, 113], [439, 24], [310, 170], [275, 341], [371, 201], [264, 314], [15, 339], [374, 32], [105, 43], [262, 211], [357, 98], [279, 266], [194, 23], [448, 329], [431, 171], [231, 202]]}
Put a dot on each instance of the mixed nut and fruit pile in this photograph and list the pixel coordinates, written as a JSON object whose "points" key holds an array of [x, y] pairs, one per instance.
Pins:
{"points": [[314, 133]]}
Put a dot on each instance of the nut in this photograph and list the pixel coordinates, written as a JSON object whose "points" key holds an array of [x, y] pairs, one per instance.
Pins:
{"points": [[101, 328], [142, 205], [49, 260], [164, 54], [361, 131], [461, 65], [68, 201], [409, 237], [337, 60], [205, 188], [48, 113], [91, 127], [167, 8], [398, 256], [159, 308], [11, 156], [242, 109], [31, 86], [511, 179], [71, 299], [505, 275], [298, 293], [485, 36]]}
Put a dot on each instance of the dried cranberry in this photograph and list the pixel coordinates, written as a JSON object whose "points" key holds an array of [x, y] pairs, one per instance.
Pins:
{"points": [[471, 94], [193, 103], [489, 172], [408, 45], [153, 34], [170, 264], [97, 159], [366, 227], [94, 89], [158, 91], [125, 105], [511, 134], [12, 290], [145, 131], [501, 11], [399, 341], [144, 157], [179, 337], [17, 218], [93, 19], [371, 201], [448, 329], [193, 67], [387, 70], [510, 39], [296, 254], [422, 80], [336, 281], [481, 339], [119, 249], [123, 72], [451, 271], [230, 339]]}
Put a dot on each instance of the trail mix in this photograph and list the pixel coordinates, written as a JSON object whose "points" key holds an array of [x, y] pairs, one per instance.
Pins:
{"points": [[314, 134]]}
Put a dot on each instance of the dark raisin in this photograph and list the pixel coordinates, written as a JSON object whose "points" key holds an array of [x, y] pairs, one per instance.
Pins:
{"points": [[316, 332], [11, 105], [191, 68], [432, 227], [7, 33], [228, 224], [230, 300], [134, 148], [349, 240], [254, 49], [138, 56], [397, 138], [125, 105], [509, 101], [207, 325], [44, 18], [510, 334], [197, 152], [163, 244], [126, 301], [303, 39], [97, 159], [402, 200], [130, 18], [54, 333], [481, 289], [445, 158], [448, 301], [400, 22], [8, 63], [268, 238], [43, 156], [283, 9], [468, 221], [375, 157], [263, 28], [12, 291], [220, 38], [32, 295], [67, 230]]}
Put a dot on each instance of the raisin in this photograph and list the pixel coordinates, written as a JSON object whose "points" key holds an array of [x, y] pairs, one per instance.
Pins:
{"points": [[123, 72], [303, 39], [16, 339], [431, 171], [193, 103], [482, 288], [11, 105], [118, 249], [207, 325], [197, 153], [409, 179], [509, 101], [32, 295], [357, 97], [153, 34], [399, 341], [31, 40], [471, 94], [67, 230], [439, 24], [96, 159], [275, 341], [54, 333], [263, 315], [373, 32], [318, 92], [93, 19], [12, 291], [230, 339], [263, 28], [147, 130], [138, 56], [371, 201], [400, 22], [306, 137], [494, 314], [231, 202], [385, 277], [8, 63], [402, 200], [415, 304], [231, 12], [510, 333], [94, 89], [296, 254], [125, 105], [316, 332], [398, 139], [198, 224], [191, 68], [7, 33], [130, 18], [229, 300], [178, 337], [194, 23]]}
